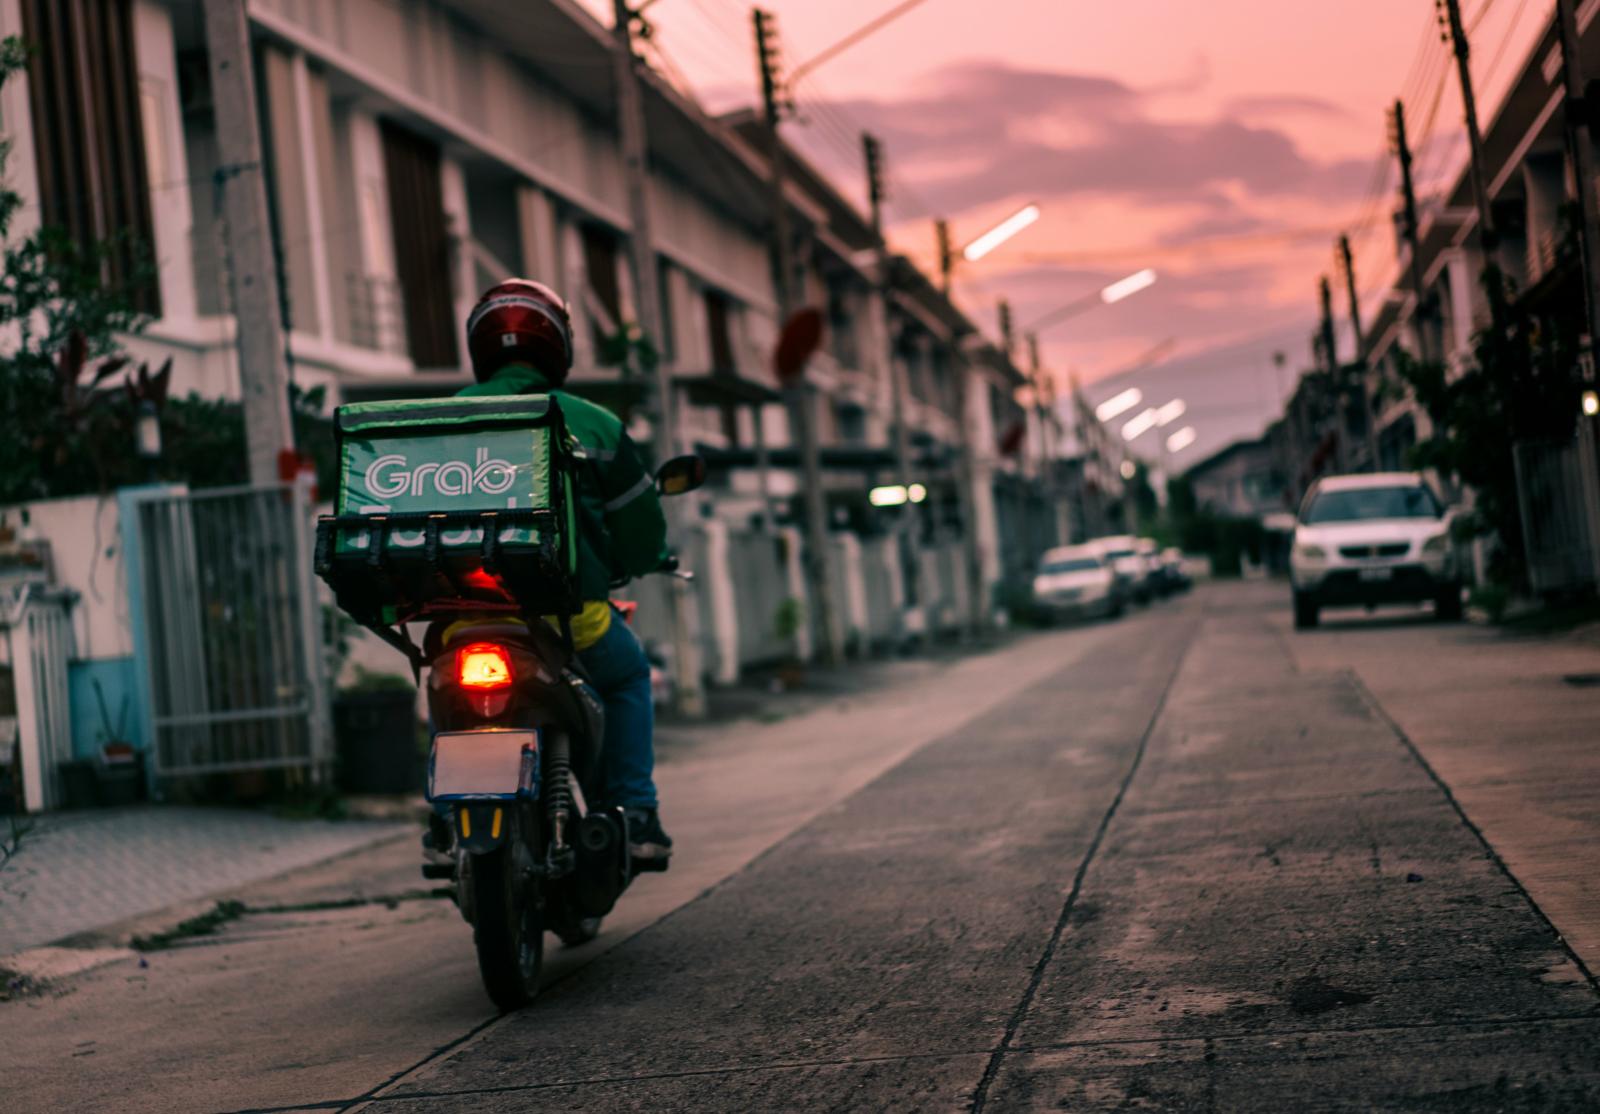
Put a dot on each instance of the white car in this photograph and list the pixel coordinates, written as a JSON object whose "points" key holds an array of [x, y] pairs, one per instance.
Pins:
{"points": [[1075, 581], [1370, 539], [1121, 552]]}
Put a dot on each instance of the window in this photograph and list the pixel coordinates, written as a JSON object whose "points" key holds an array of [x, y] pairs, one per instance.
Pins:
{"points": [[667, 342], [1073, 564], [842, 329], [421, 246], [1372, 502], [718, 315], [605, 284], [83, 82]]}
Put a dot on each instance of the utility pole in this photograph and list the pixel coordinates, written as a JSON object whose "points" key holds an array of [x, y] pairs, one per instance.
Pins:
{"points": [[1043, 406], [642, 255], [1364, 380], [1411, 228], [799, 395], [1330, 353], [941, 230], [1487, 238], [872, 155], [1008, 338], [253, 272], [1580, 150]]}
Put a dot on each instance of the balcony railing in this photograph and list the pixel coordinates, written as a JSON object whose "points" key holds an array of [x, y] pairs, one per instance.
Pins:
{"points": [[377, 313]]}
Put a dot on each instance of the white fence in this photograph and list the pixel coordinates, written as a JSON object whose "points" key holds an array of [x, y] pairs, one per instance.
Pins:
{"points": [[755, 610]]}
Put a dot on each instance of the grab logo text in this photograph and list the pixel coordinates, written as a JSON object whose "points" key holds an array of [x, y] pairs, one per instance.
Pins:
{"points": [[390, 477]]}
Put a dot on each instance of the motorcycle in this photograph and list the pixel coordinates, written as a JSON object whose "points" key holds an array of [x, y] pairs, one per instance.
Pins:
{"points": [[516, 747]]}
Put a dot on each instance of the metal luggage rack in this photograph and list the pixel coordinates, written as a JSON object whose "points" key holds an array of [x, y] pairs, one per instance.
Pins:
{"points": [[352, 575]]}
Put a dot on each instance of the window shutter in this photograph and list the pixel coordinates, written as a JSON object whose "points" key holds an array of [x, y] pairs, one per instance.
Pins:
{"points": [[421, 246], [83, 82]]}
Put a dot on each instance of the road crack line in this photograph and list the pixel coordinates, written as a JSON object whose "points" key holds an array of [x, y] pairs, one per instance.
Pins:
{"points": [[1007, 1042]]}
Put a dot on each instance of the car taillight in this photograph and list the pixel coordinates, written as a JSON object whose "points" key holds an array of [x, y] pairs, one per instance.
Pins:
{"points": [[483, 667]]}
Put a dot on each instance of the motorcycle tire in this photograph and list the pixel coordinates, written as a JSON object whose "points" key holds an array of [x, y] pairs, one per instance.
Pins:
{"points": [[509, 940]]}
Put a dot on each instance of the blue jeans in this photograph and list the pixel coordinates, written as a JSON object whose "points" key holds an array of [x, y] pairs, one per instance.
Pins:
{"points": [[621, 674]]}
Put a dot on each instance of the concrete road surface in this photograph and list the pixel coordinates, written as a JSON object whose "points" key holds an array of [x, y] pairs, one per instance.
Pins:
{"points": [[1184, 861]]}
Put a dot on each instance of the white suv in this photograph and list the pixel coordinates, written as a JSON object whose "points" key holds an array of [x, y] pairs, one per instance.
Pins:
{"points": [[1370, 539]]}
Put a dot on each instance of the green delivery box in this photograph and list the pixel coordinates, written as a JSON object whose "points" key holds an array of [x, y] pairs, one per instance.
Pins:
{"points": [[445, 501]]}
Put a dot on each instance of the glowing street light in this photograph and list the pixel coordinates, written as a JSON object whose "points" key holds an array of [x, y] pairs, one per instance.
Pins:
{"points": [[1139, 425], [1119, 404], [896, 495], [1171, 412], [1591, 403], [1105, 296], [1182, 439], [1000, 233], [1124, 288], [1156, 417]]}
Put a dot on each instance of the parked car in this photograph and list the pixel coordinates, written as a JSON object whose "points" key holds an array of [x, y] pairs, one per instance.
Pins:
{"points": [[1121, 552], [1075, 581], [1174, 570], [1154, 574], [1373, 539]]}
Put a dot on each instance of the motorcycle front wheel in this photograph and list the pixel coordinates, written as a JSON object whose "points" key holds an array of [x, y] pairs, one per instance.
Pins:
{"points": [[507, 929]]}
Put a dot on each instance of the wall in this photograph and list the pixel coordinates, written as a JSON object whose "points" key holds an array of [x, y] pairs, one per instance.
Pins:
{"points": [[85, 539], [86, 552]]}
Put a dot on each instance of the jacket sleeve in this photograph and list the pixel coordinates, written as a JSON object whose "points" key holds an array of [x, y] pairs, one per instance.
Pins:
{"points": [[634, 518]]}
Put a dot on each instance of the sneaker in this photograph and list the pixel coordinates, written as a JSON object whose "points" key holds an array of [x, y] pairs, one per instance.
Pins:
{"points": [[646, 837]]}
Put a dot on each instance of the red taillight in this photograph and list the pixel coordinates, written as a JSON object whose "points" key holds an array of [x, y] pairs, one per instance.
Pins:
{"points": [[483, 666]]}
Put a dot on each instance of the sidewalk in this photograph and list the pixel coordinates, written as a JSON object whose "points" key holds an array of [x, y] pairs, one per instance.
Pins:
{"points": [[80, 871], [1509, 722]]}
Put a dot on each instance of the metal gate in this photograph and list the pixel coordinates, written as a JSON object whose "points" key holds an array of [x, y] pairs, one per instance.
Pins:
{"points": [[230, 641], [1551, 496]]}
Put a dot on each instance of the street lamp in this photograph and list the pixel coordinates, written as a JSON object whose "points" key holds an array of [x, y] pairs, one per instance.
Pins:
{"points": [[1119, 403], [1155, 417], [1000, 233], [1105, 296], [147, 437]]}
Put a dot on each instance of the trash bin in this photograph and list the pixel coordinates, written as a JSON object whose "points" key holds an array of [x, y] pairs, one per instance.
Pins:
{"points": [[376, 733], [78, 783], [119, 775]]}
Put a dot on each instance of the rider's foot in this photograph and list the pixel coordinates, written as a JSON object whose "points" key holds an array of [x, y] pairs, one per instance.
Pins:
{"points": [[646, 837]]}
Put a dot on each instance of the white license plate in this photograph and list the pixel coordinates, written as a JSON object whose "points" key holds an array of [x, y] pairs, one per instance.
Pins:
{"points": [[1372, 576], [479, 763]]}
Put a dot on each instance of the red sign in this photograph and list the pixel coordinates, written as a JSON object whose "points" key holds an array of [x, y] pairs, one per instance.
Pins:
{"points": [[1011, 441], [802, 336]]}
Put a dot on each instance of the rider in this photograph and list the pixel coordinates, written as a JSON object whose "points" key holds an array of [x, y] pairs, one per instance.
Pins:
{"points": [[519, 336]]}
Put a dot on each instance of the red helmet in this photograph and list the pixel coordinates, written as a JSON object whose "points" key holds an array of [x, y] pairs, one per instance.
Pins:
{"points": [[520, 321]]}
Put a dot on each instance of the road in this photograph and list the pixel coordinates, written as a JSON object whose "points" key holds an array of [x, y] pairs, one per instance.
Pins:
{"points": [[1189, 860]]}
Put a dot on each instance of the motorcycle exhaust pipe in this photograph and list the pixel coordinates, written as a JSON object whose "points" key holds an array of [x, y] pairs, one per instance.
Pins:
{"points": [[602, 872]]}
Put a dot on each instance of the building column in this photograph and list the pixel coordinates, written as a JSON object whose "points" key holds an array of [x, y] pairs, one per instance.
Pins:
{"points": [[312, 174], [167, 165]]}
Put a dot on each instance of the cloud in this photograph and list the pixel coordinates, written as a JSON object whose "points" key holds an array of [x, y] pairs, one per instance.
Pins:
{"points": [[1256, 107], [1003, 127]]}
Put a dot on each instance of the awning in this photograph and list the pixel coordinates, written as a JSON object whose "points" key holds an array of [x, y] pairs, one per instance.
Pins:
{"points": [[724, 389], [854, 458]]}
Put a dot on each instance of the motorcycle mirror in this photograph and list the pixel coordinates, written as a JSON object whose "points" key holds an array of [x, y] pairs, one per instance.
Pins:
{"points": [[681, 475]]}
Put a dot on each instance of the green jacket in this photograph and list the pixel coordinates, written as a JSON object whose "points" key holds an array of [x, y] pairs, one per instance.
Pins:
{"points": [[622, 532]]}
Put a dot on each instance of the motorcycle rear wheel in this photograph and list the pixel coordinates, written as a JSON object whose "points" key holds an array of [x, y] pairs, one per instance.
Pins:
{"points": [[509, 939]]}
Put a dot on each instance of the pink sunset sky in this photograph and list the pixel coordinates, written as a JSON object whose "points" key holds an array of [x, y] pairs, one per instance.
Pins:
{"points": [[1222, 142]]}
